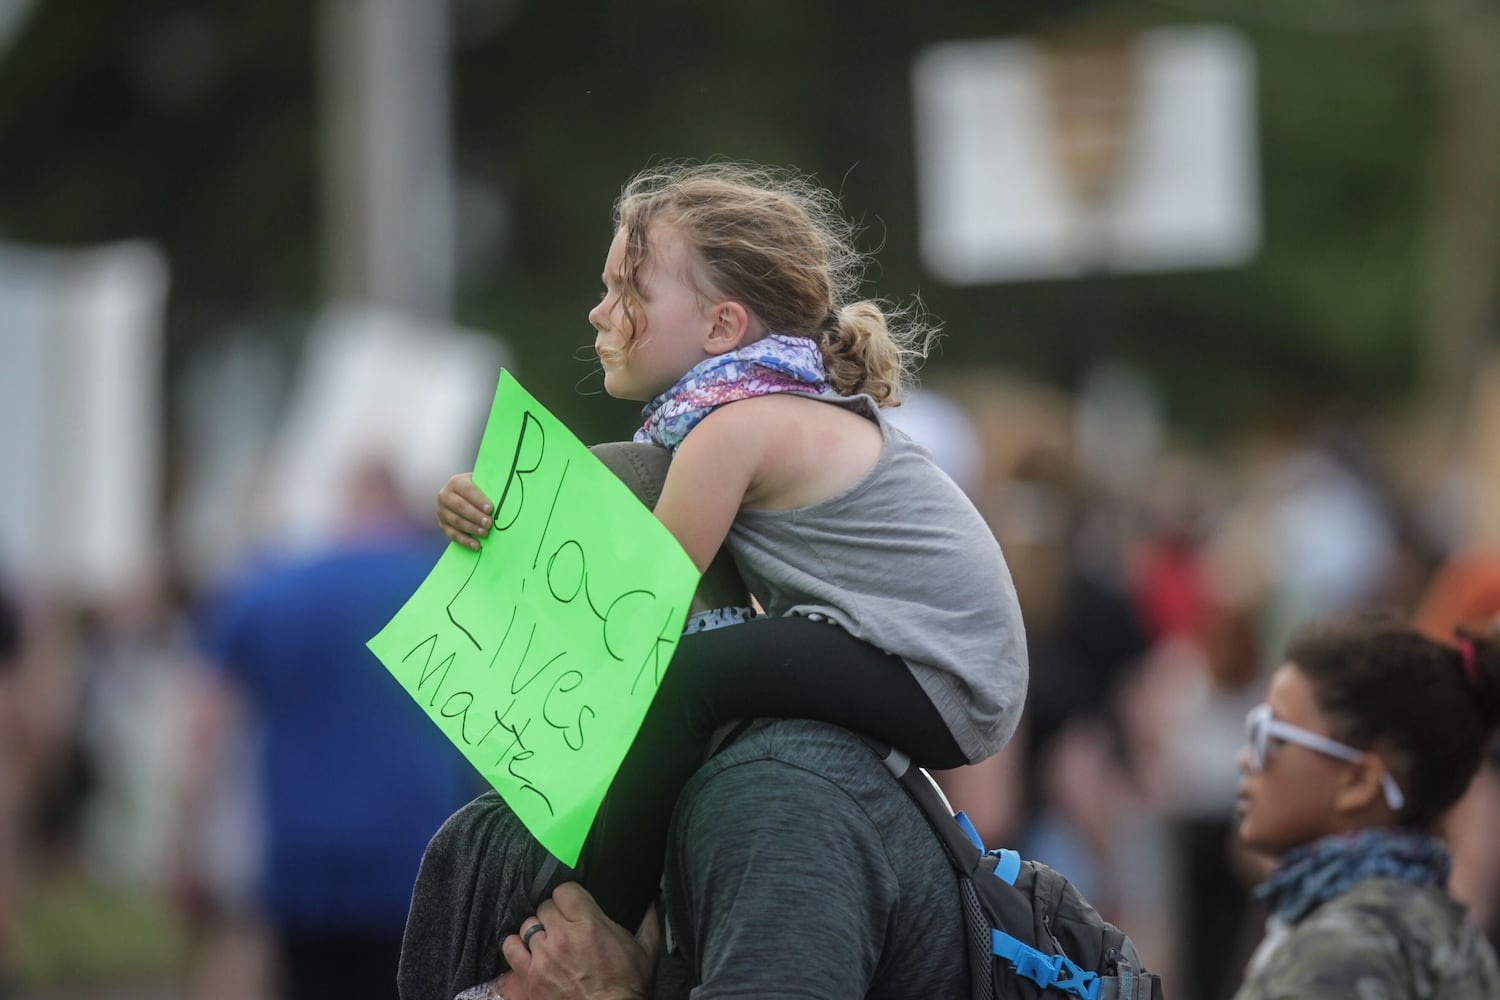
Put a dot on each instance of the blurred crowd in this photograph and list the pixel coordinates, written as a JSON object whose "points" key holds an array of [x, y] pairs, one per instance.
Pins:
{"points": [[143, 745]]}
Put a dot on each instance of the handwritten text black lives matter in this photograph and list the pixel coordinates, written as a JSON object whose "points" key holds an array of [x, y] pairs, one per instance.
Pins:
{"points": [[547, 703]]}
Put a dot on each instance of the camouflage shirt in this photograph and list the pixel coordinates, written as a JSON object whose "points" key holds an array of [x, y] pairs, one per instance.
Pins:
{"points": [[1384, 939]]}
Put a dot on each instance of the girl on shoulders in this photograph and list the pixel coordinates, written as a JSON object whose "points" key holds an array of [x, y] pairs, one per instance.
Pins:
{"points": [[729, 309]]}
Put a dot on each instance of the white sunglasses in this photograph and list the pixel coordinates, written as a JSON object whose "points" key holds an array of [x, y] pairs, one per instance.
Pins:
{"points": [[1261, 726]]}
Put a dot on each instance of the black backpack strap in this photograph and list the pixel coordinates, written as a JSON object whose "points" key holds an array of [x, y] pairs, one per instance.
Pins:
{"points": [[966, 852], [962, 845]]}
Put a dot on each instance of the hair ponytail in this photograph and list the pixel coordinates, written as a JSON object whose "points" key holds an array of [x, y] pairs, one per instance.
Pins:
{"points": [[1478, 663], [863, 354]]}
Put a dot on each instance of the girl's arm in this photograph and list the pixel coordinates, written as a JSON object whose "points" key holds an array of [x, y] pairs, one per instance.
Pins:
{"points": [[701, 495], [714, 469]]}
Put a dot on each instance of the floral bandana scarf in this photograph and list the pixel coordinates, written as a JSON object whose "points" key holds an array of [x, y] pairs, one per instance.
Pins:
{"points": [[775, 363], [1312, 874]]}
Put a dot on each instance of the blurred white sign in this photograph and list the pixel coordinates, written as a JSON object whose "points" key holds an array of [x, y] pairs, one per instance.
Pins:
{"points": [[80, 404], [1057, 158], [376, 384], [270, 456], [942, 426]]}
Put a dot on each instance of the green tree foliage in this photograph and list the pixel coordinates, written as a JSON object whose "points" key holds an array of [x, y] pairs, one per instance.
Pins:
{"points": [[195, 125], [189, 124]]}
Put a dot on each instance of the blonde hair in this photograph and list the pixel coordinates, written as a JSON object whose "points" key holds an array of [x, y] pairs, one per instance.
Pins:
{"points": [[776, 242]]}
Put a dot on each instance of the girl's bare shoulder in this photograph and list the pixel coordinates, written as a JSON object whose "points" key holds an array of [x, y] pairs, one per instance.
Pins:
{"points": [[804, 450]]}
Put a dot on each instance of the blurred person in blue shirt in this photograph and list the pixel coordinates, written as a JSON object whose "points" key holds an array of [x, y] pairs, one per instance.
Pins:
{"points": [[354, 777]]}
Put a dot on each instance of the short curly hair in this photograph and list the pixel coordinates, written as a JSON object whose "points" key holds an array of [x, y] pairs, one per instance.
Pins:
{"points": [[1433, 705]]}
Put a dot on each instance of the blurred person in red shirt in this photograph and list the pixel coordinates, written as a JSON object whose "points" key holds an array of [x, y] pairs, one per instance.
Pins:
{"points": [[1465, 593]]}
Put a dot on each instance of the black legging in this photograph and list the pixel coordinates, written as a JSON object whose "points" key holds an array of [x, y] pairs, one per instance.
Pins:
{"points": [[767, 668]]}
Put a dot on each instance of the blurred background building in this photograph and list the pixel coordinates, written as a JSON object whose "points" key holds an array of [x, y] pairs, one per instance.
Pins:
{"points": [[1219, 288]]}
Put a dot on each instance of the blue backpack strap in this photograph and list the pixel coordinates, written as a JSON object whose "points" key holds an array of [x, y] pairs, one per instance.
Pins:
{"points": [[1007, 862], [1053, 972], [967, 826], [1007, 865]]}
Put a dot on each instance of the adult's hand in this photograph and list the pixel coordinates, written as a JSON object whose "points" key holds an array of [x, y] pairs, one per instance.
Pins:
{"points": [[580, 954]]}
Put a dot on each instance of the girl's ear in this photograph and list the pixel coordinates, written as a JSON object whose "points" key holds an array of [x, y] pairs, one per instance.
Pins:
{"points": [[730, 328], [1360, 787]]}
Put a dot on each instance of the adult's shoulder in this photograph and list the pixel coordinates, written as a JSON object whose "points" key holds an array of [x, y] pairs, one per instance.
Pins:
{"points": [[786, 790], [819, 751], [798, 817]]}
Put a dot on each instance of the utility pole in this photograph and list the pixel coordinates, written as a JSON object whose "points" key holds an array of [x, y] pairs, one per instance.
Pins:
{"points": [[1463, 231], [387, 175]]}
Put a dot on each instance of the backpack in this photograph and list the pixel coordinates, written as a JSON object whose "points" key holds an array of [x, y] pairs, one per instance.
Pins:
{"points": [[1032, 935]]}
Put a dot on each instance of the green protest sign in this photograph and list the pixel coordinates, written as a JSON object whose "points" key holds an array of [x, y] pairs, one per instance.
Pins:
{"points": [[539, 654]]}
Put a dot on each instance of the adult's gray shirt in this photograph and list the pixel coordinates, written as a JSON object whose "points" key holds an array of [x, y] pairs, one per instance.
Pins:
{"points": [[798, 867]]}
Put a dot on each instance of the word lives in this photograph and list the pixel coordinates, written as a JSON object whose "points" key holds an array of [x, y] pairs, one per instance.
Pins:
{"points": [[523, 680]]}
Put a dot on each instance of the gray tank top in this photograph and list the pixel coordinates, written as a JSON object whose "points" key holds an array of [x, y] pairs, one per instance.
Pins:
{"points": [[903, 561]]}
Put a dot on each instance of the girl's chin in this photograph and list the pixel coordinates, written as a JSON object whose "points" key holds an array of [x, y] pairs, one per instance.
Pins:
{"points": [[618, 388], [612, 387]]}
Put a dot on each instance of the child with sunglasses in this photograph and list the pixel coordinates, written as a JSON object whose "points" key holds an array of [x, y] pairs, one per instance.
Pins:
{"points": [[1369, 734]]}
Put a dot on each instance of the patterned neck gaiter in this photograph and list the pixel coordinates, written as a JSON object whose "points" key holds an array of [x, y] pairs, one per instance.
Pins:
{"points": [[1312, 874], [775, 363]]}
